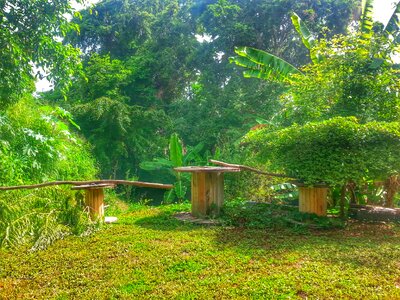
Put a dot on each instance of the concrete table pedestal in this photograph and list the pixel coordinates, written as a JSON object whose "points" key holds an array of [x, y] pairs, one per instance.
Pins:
{"points": [[207, 188]]}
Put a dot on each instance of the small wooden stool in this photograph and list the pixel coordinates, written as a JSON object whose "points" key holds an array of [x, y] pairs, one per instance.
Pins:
{"points": [[94, 198], [207, 188]]}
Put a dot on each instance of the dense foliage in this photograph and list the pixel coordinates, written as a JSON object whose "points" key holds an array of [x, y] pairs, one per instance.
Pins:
{"points": [[158, 67], [36, 146], [36, 141], [355, 78], [333, 152], [350, 76], [149, 69], [30, 34]]}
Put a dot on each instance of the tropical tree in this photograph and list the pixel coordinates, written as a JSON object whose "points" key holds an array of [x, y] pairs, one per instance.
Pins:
{"points": [[30, 35]]}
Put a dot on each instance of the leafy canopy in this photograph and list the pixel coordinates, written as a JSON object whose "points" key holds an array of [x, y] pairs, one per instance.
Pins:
{"points": [[352, 80], [30, 34]]}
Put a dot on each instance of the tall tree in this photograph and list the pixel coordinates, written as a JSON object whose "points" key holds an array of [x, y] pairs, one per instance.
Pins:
{"points": [[30, 33]]}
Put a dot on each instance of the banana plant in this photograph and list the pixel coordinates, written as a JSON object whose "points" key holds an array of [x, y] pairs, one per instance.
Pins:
{"points": [[307, 37], [261, 64], [392, 27], [177, 158], [264, 65], [367, 10]]}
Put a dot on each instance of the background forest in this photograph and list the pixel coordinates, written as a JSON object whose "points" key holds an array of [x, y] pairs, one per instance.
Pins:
{"points": [[153, 68]]}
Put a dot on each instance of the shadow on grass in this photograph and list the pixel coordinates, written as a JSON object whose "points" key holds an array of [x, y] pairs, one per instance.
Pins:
{"points": [[164, 221], [359, 245]]}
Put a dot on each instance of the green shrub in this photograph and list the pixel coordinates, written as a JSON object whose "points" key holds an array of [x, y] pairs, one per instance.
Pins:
{"points": [[333, 151], [36, 145]]}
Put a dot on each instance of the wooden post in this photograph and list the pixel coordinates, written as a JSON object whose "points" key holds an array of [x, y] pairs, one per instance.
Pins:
{"points": [[313, 200], [207, 193], [94, 202]]}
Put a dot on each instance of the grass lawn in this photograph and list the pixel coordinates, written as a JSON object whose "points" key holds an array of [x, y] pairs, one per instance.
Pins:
{"points": [[149, 254]]}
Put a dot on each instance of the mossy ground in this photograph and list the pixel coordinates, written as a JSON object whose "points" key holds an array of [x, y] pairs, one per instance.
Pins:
{"points": [[150, 255]]}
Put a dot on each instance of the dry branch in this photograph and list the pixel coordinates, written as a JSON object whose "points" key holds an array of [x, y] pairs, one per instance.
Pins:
{"points": [[126, 182], [247, 168]]}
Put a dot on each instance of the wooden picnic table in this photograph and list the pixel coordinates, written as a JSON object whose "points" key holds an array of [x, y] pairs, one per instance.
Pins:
{"points": [[207, 188]]}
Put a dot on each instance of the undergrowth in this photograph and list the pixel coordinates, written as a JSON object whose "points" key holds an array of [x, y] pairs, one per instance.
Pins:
{"points": [[38, 218], [269, 215]]}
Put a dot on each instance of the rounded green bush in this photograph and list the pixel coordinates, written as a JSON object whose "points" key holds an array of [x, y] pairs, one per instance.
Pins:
{"points": [[333, 151]]}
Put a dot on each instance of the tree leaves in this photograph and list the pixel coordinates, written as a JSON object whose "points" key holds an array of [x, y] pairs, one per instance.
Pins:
{"points": [[28, 38]]}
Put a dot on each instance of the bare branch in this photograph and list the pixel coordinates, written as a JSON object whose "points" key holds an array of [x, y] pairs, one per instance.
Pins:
{"points": [[246, 168], [77, 183]]}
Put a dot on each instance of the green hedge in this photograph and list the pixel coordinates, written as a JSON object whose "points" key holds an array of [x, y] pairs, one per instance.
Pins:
{"points": [[332, 151]]}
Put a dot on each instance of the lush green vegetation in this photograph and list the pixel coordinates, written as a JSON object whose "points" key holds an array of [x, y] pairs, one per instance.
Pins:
{"points": [[351, 75], [143, 86], [149, 76], [30, 36], [340, 149], [152, 255], [38, 146]]}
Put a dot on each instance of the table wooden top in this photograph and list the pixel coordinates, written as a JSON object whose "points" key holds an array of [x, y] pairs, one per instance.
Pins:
{"points": [[206, 169]]}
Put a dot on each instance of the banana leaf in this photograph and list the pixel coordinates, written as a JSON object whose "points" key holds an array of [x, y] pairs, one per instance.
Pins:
{"points": [[307, 37], [393, 25], [261, 64], [175, 151], [366, 19]]}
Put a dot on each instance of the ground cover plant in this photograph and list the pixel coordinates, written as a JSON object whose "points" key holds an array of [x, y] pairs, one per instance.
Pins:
{"points": [[149, 255]]}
